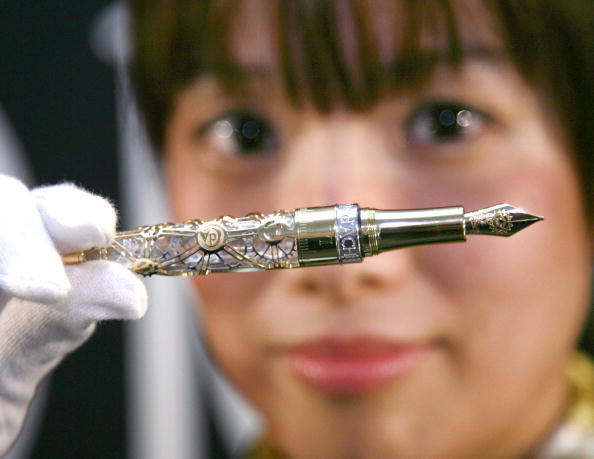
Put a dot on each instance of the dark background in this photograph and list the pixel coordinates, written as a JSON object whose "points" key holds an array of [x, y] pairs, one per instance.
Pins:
{"points": [[60, 99]]}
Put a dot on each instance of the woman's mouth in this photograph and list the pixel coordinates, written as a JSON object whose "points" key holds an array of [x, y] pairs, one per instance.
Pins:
{"points": [[354, 366]]}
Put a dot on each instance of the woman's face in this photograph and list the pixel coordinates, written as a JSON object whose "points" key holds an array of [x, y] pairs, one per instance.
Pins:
{"points": [[439, 351]]}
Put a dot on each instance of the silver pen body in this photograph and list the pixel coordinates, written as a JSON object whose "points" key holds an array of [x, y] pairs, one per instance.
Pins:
{"points": [[312, 236]]}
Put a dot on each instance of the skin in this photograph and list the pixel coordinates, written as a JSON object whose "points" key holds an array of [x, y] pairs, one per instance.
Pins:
{"points": [[500, 316]]}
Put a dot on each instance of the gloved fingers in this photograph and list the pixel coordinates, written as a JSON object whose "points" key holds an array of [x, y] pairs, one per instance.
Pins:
{"points": [[34, 338], [75, 219], [102, 290], [30, 266]]}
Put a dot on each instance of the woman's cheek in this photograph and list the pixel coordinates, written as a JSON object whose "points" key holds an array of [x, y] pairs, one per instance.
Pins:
{"points": [[516, 296]]}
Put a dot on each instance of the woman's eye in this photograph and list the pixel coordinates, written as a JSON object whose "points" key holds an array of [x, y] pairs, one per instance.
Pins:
{"points": [[439, 122], [240, 133]]}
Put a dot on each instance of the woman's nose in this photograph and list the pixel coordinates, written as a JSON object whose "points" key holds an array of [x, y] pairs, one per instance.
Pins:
{"points": [[342, 160], [353, 283]]}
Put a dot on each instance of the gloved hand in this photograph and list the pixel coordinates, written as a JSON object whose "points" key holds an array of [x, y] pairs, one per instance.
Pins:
{"points": [[48, 310]]}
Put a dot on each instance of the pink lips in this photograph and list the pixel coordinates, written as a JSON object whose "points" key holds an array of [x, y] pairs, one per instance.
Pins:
{"points": [[351, 367]]}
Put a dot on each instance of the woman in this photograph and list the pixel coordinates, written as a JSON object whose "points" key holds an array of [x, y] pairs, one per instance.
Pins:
{"points": [[431, 352], [260, 106]]}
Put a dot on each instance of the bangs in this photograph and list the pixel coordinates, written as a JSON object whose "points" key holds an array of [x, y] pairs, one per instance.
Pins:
{"points": [[331, 52], [334, 52], [347, 52]]}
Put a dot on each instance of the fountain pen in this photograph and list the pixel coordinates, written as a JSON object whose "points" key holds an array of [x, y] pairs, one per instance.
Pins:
{"points": [[310, 236]]}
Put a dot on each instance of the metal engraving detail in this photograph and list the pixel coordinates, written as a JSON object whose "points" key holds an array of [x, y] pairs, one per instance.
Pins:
{"points": [[498, 221], [347, 226], [212, 236], [228, 244]]}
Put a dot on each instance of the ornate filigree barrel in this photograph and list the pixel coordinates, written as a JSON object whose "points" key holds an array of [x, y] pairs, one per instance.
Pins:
{"points": [[312, 236]]}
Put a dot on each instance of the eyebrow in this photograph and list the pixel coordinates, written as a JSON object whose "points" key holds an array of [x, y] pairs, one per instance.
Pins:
{"points": [[415, 61]]}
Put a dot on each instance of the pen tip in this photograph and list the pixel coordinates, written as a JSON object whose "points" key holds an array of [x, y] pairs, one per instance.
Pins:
{"points": [[499, 220]]}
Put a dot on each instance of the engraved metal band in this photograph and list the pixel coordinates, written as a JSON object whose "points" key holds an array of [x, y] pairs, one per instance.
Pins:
{"points": [[347, 228]]}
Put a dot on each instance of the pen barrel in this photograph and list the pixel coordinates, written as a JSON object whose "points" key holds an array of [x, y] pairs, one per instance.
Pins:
{"points": [[346, 234], [383, 230], [328, 235], [290, 239]]}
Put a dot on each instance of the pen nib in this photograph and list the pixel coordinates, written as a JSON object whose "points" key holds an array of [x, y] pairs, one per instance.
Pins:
{"points": [[499, 220]]}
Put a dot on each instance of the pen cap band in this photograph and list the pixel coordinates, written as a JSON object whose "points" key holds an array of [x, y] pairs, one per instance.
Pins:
{"points": [[347, 228], [328, 235]]}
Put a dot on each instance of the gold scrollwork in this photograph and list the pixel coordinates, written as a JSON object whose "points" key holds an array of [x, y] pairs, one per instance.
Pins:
{"points": [[498, 222]]}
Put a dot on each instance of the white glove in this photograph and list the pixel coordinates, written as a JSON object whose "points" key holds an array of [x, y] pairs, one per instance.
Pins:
{"points": [[48, 310]]}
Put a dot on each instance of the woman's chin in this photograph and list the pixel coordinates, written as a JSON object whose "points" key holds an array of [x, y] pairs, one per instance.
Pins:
{"points": [[352, 406]]}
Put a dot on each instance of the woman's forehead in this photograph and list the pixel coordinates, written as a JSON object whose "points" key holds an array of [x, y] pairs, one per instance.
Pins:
{"points": [[392, 26]]}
